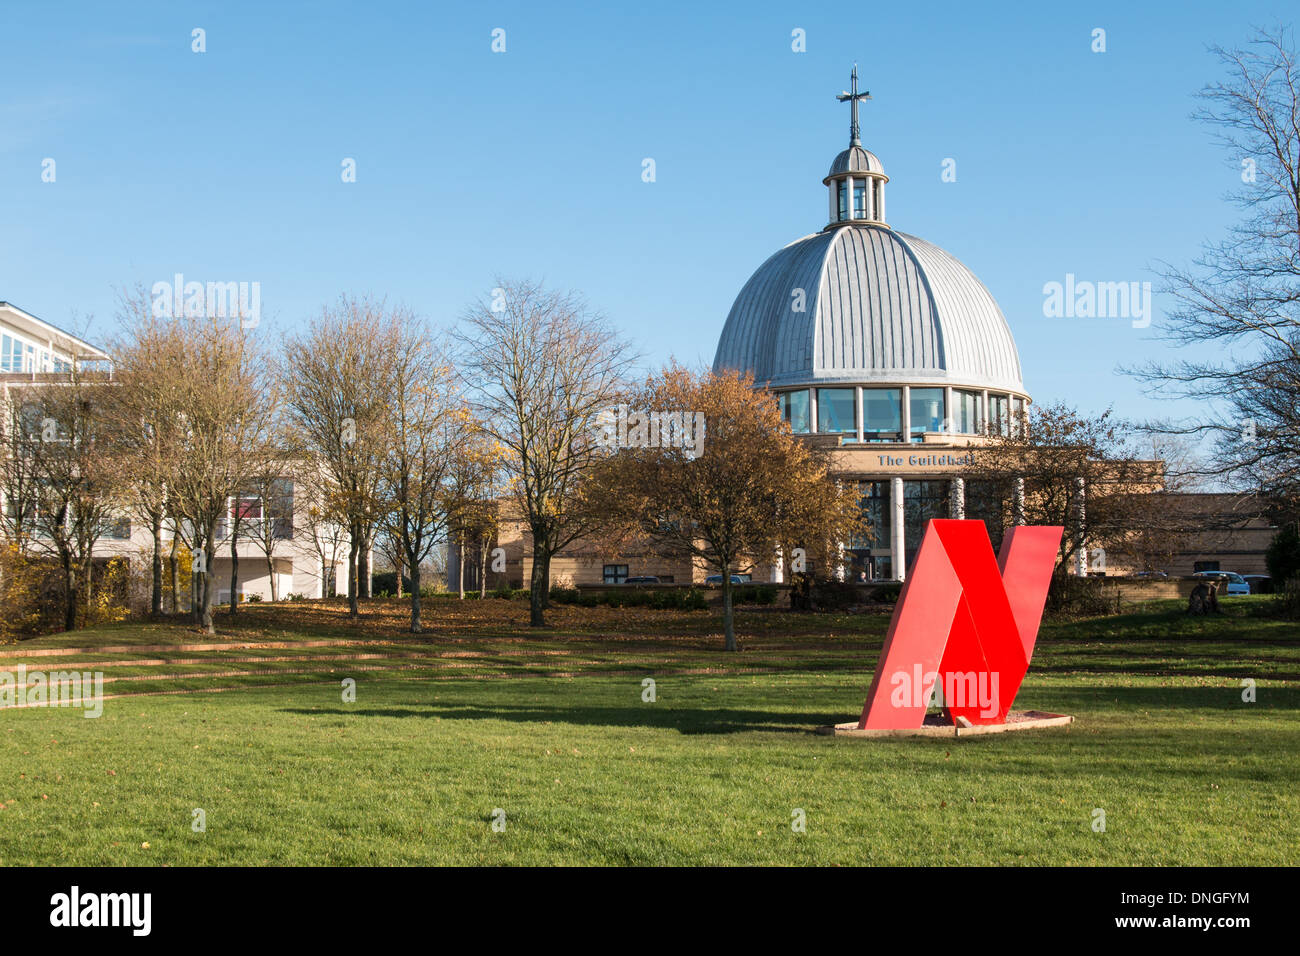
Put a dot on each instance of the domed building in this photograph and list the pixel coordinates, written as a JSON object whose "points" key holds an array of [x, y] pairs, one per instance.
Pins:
{"points": [[885, 349], [885, 346]]}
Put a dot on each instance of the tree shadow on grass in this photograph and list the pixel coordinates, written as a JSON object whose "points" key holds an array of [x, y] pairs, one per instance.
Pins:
{"points": [[724, 720], [1166, 701], [1109, 702]]}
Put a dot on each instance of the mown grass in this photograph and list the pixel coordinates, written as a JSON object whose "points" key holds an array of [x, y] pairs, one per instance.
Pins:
{"points": [[484, 714]]}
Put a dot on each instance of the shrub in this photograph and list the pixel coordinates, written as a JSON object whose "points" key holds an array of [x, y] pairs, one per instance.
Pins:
{"points": [[834, 595], [693, 600], [1288, 599], [1071, 596], [1283, 555], [384, 584], [887, 593], [30, 591], [110, 593], [678, 599], [753, 594]]}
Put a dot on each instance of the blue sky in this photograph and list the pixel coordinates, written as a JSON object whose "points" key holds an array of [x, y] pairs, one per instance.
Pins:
{"points": [[226, 165]]}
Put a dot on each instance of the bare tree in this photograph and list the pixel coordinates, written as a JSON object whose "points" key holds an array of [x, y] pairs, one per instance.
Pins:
{"points": [[317, 513], [428, 429], [146, 407], [1242, 295], [19, 475], [475, 490], [272, 486], [339, 379], [230, 402], [76, 457], [1061, 467], [541, 367]]}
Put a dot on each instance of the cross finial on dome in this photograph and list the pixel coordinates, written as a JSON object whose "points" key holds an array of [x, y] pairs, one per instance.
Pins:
{"points": [[853, 98]]}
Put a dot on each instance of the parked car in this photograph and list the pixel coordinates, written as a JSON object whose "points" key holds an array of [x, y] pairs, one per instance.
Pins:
{"points": [[735, 579], [1230, 582], [643, 579], [1259, 583]]}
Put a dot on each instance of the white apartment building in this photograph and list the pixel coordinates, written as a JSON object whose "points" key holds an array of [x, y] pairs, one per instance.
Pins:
{"points": [[307, 558]]}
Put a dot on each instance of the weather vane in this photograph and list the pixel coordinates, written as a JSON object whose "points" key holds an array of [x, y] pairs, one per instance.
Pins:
{"points": [[853, 97]]}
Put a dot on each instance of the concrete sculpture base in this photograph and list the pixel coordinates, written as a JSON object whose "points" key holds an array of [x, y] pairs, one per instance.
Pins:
{"points": [[937, 726]]}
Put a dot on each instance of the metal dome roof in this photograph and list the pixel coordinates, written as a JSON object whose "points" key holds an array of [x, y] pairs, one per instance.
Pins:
{"points": [[879, 306], [855, 159]]}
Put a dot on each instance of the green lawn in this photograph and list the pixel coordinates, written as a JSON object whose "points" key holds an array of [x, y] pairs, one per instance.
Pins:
{"points": [[484, 714]]}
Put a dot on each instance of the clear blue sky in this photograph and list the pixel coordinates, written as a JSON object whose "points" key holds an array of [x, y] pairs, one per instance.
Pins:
{"points": [[226, 165]]}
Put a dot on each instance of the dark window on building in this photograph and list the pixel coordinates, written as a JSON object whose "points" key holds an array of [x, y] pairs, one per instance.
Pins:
{"points": [[794, 409], [922, 500], [966, 415], [882, 413], [835, 411], [985, 502], [32, 421], [280, 509], [11, 354], [615, 573], [1205, 566], [926, 407], [999, 415], [874, 500]]}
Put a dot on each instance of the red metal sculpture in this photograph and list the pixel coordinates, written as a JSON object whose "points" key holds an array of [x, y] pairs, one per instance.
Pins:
{"points": [[965, 621]]}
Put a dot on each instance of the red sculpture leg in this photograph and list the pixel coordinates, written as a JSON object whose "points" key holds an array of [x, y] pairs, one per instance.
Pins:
{"points": [[965, 620]]}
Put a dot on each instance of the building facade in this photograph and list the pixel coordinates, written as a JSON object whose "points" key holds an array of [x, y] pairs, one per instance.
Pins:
{"points": [[888, 351], [885, 347], [308, 558]]}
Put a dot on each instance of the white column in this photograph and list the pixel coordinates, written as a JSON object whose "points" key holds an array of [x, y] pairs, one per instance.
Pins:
{"points": [[778, 566], [857, 400], [957, 498], [812, 411], [880, 206], [839, 561], [1018, 502], [833, 189], [984, 410], [949, 412], [906, 419], [848, 197], [896, 542]]}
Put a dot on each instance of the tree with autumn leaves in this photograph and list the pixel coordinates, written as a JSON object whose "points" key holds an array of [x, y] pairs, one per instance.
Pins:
{"points": [[754, 491]]}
